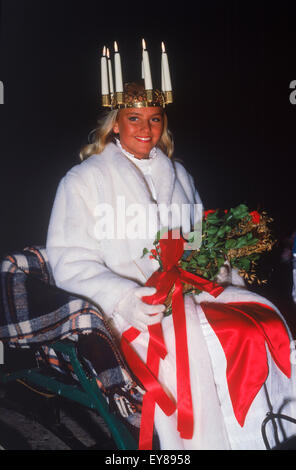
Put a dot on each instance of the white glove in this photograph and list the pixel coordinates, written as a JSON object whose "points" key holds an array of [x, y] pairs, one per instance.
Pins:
{"points": [[138, 313]]}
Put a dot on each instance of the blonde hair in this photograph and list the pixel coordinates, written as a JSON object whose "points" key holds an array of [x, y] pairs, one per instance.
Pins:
{"points": [[104, 134]]}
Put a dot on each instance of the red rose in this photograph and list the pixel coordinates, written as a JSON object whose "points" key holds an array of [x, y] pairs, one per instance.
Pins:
{"points": [[255, 217], [210, 211], [153, 255]]}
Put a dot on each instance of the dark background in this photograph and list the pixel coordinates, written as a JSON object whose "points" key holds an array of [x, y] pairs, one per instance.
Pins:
{"points": [[231, 64]]}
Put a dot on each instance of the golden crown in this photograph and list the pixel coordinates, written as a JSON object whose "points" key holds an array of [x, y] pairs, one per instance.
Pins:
{"points": [[131, 95]]}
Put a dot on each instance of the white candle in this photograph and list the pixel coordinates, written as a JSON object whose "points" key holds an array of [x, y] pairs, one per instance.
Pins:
{"points": [[146, 67], [104, 74], [111, 85], [118, 70], [166, 70], [162, 76]]}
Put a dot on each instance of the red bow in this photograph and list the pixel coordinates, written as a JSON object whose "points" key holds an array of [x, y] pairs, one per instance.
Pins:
{"points": [[171, 250]]}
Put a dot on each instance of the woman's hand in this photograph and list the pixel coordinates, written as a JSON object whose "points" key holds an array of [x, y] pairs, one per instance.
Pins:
{"points": [[138, 313]]}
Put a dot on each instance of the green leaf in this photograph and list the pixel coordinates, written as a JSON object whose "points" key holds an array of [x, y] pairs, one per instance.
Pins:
{"points": [[240, 211], [191, 237], [244, 263], [145, 251], [157, 237], [202, 260], [241, 241], [221, 232], [212, 230], [252, 242], [230, 244], [220, 262], [213, 219]]}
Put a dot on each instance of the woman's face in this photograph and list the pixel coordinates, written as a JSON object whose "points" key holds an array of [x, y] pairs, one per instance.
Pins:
{"points": [[139, 129]]}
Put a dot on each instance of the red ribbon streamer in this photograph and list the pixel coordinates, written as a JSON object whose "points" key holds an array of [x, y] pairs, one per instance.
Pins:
{"points": [[148, 376], [184, 399], [172, 275], [146, 373]]}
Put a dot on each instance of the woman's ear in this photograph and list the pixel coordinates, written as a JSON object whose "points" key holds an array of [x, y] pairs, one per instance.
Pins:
{"points": [[116, 128]]}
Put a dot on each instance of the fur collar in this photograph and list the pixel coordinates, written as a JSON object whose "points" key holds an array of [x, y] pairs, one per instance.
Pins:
{"points": [[122, 168]]}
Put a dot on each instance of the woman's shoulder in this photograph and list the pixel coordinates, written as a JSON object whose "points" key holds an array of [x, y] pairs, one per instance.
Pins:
{"points": [[92, 167], [181, 169], [186, 178]]}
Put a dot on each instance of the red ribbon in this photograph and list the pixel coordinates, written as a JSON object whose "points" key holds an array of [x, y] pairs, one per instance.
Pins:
{"points": [[171, 275], [243, 329], [146, 373]]}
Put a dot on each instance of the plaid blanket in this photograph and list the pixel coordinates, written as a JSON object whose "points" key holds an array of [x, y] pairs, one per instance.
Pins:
{"points": [[34, 312]]}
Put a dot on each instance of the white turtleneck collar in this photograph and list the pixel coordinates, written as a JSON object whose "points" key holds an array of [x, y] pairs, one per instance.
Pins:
{"points": [[142, 163]]}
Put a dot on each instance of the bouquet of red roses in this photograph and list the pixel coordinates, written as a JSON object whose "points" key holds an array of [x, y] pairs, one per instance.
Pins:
{"points": [[237, 235]]}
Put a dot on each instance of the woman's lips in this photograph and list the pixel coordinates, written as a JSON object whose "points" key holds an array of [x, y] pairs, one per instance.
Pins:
{"points": [[144, 139]]}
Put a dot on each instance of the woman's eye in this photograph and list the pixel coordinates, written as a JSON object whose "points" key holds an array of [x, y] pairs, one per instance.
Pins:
{"points": [[156, 119], [132, 118]]}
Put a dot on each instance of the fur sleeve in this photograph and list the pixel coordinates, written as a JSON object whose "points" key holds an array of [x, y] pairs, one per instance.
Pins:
{"points": [[74, 252]]}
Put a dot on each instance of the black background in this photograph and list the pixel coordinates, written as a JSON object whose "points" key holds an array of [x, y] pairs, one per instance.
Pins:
{"points": [[232, 63]]}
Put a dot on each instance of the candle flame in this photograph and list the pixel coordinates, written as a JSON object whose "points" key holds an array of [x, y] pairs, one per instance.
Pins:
{"points": [[108, 53], [115, 46], [143, 44], [104, 51], [163, 46]]}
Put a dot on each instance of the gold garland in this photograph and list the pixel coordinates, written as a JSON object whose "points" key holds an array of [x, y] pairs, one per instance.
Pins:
{"points": [[264, 244]]}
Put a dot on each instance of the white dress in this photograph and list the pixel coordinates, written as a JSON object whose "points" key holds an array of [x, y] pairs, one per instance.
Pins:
{"points": [[104, 276]]}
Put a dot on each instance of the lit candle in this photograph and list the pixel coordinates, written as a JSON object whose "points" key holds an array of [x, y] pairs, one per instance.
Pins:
{"points": [[104, 74], [165, 70], [118, 71], [162, 76], [110, 73], [146, 67]]}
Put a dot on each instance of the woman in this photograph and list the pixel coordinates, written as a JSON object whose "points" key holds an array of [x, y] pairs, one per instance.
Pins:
{"points": [[95, 247]]}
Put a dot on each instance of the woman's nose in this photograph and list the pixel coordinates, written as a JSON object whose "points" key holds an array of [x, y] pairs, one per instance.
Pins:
{"points": [[145, 126]]}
